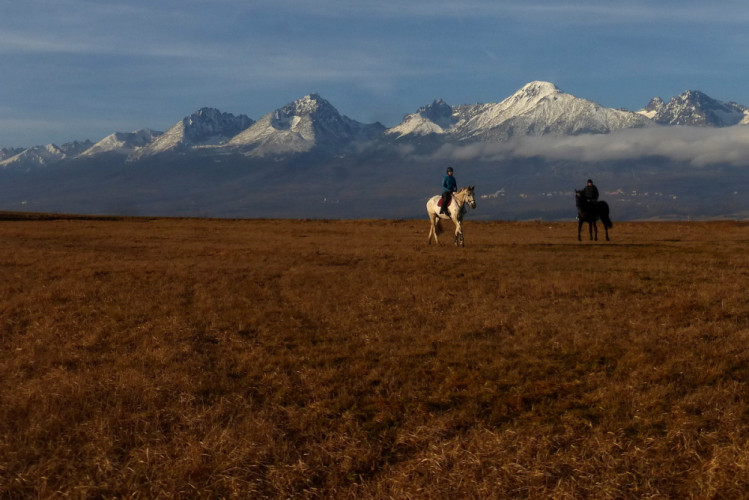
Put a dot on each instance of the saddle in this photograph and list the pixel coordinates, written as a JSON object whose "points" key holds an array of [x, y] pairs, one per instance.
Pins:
{"points": [[446, 195], [444, 209]]}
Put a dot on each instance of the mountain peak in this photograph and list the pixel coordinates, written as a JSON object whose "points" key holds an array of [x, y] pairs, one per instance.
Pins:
{"points": [[695, 108], [307, 105], [537, 108], [530, 95], [655, 104], [213, 119], [537, 90], [308, 123], [438, 112], [123, 142], [47, 154], [205, 127], [434, 118]]}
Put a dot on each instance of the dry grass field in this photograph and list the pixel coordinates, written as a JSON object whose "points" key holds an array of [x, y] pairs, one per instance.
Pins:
{"points": [[183, 358]]}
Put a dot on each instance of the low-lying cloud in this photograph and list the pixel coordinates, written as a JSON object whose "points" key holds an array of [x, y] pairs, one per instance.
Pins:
{"points": [[694, 146]]}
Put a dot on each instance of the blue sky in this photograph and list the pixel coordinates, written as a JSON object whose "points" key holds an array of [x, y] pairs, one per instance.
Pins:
{"points": [[82, 69]]}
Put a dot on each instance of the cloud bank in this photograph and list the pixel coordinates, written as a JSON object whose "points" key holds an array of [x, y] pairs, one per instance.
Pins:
{"points": [[696, 147]]}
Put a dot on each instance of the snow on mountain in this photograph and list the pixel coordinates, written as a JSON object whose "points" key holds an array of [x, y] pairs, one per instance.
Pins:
{"points": [[40, 156], [435, 118], [695, 108], [538, 108], [6, 153], [205, 127], [303, 125], [125, 143], [483, 117], [312, 123], [654, 107]]}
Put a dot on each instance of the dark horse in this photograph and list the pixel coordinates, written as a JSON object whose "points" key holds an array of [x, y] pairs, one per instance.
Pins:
{"points": [[590, 212]]}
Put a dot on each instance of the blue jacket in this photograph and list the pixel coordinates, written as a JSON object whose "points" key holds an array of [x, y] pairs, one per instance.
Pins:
{"points": [[449, 184]]}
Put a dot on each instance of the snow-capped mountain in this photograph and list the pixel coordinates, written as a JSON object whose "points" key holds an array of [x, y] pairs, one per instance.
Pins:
{"points": [[205, 127], [538, 108], [301, 126], [123, 174], [123, 143], [695, 108], [313, 124], [435, 118], [40, 156]]}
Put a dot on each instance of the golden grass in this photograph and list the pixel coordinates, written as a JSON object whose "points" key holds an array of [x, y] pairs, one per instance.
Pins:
{"points": [[176, 358]]}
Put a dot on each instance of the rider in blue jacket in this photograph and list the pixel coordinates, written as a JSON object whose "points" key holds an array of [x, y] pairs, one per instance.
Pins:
{"points": [[449, 186]]}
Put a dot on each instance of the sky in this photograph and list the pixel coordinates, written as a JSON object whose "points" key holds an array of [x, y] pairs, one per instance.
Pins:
{"points": [[83, 69]]}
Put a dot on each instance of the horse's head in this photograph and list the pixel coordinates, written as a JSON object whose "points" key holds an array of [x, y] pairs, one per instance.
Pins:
{"points": [[578, 198], [469, 196]]}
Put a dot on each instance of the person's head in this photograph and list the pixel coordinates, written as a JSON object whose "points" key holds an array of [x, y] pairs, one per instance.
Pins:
{"points": [[590, 182], [449, 171]]}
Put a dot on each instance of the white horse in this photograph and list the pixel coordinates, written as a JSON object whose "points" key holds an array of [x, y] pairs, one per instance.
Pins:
{"points": [[457, 208]]}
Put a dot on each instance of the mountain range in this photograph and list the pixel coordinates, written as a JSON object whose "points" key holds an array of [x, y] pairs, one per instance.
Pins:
{"points": [[209, 151], [312, 123]]}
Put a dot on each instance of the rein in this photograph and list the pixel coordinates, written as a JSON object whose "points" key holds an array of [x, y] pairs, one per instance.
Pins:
{"points": [[462, 200]]}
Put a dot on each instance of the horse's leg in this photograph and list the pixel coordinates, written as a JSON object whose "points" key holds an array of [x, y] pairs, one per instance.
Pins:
{"points": [[606, 228], [595, 230], [433, 229], [462, 238], [459, 241], [431, 226], [590, 231], [579, 229], [458, 230]]}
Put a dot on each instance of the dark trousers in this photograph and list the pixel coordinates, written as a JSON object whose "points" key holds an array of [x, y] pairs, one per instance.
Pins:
{"points": [[446, 197]]}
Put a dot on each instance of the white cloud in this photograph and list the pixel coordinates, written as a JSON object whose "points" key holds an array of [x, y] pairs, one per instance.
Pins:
{"points": [[694, 146]]}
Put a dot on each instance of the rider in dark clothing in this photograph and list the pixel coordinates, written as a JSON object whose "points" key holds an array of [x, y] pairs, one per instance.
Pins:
{"points": [[590, 192], [449, 186]]}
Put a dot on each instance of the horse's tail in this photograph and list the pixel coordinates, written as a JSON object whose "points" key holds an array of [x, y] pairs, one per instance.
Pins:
{"points": [[603, 213]]}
